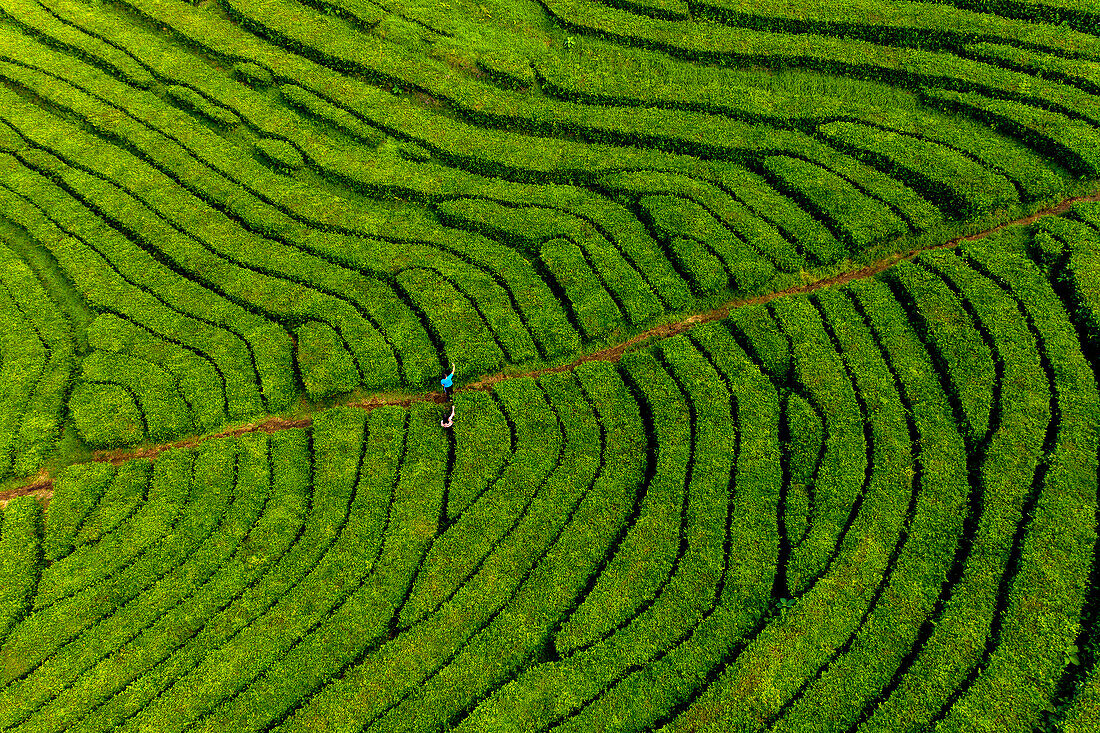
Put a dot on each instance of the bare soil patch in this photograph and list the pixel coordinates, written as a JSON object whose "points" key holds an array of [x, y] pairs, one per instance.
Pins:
{"points": [[270, 425], [41, 488]]}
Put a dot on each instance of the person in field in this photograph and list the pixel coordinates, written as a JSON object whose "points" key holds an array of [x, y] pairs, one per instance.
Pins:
{"points": [[450, 419], [448, 381]]}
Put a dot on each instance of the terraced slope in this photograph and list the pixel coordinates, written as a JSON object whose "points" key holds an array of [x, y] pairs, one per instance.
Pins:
{"points": [[870, 508], [865, 508], [229, 205]]}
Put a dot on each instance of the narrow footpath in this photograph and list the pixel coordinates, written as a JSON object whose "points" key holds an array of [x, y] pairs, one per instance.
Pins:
{"points": [[41, 486]]}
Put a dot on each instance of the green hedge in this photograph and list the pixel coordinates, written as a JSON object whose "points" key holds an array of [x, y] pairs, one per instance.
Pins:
{"points": [[929, 66], [104, 288], [737, 216], [23, 363], [124, 496], [461, 549], [861, 219], [1082, 271], [910, 583], [36, 374], [215, 464], [472, 258], [20, 560], [494, 303], [926, 557], [195, 375], [271, 352], [528, 220], [483, 445], [1041, 618], [693, 240], [338, 442], [363, 609], [960, 354], [645, 558], [1083, 714], [333, 464], [629, 290], [266, 117], [543, 596], [107, 415], [907, 66], [160, 410], [898, 23], [595, 310], [279, 154], [77, 489], [1054, 237], [680, 39], [827, 614], [803, 452], [955, 183], [176, 535], [192, 101], [461, 328], [286, 459], [96, 563], [235, 468], [252, 74], [808, 236], [264, 255], [1002, 470], [313, 105], [757, 330], [1071, 142], [754, 541], [819, 370], [646, 695], [915, 210], [734, 263], [692, 593], [435, 668], [326, 366], [40, 22], [1035, 177]]}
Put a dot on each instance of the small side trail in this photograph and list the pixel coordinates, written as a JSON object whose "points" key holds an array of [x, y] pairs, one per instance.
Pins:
{"points": [[41, 486]]}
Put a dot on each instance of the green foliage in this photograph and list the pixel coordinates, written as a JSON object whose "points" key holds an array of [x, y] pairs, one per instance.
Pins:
{"points": [[192, 101], [959, 351], [957, 184], [36, 365], [827, 384], [107, 415], [311, 104], [76, 492], [863, 220], [325, 364], [459, 551], [280, 154], [872, 507], [252, 74], [20, 560], [649, 549], [803, 453], [765, 340]]}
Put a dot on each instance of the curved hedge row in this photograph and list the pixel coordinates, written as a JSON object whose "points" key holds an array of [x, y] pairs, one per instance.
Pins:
{"points": [[795, 519], [870, 508], [232, 208]]}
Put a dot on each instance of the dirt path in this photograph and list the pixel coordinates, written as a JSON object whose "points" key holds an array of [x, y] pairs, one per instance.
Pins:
{"points": [[41, 488], [614, 353], [42, 485]]}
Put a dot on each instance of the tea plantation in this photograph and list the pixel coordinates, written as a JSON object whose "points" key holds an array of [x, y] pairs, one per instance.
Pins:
{"points": [[737, 445]]}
